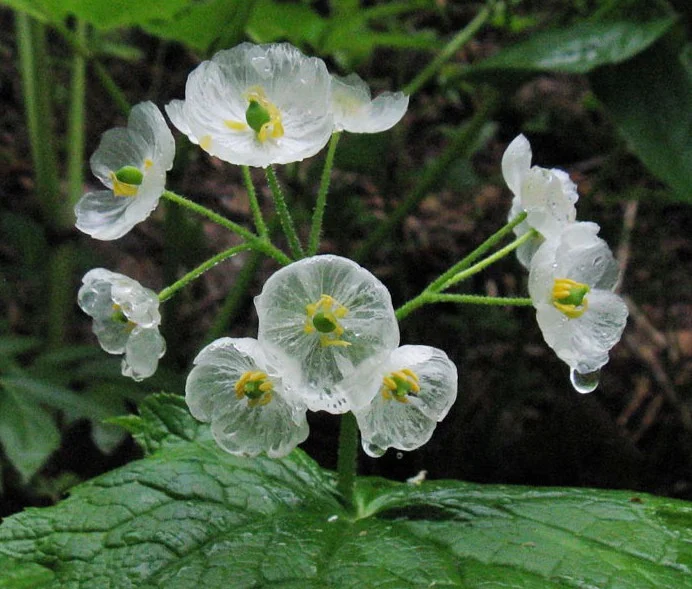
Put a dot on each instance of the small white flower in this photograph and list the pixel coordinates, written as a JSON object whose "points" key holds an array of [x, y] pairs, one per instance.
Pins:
{"points": [[548, 196], [234, 387], [132, 162], [571, 281], [356, 112], [411, 390], [126, 320], [322, 317], [257, 105]]}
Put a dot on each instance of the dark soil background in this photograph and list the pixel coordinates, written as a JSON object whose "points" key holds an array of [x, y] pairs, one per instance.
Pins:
{"points": [[517, 419]]}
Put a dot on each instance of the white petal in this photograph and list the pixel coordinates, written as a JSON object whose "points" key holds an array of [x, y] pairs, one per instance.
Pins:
{"points": [[118, 147], [175, 110], [102, 215], [516, 162], [147, 120], [142, 352], [275, 428], [370, 327], [354, 111]]}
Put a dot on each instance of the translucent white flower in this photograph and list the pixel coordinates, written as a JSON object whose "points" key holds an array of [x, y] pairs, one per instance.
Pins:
{"points": [[126, 320], [356, 112], [571, 281], [251, 411], [411, 390], [257, 105], [322, 317], [132, 162], [548, 196]]}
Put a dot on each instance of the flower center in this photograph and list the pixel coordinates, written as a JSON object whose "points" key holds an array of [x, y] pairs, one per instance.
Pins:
{"points": [[323, 318], [119, 317], [569, 297], [126, 180], [256, 386], [261, 116], [399, 385]]}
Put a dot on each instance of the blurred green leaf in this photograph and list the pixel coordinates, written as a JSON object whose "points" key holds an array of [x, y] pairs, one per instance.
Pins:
{"points": [[14, 345], [297, 23], [204, 518], [650, 100], [28, 433], [102, 14], [577, 49]]}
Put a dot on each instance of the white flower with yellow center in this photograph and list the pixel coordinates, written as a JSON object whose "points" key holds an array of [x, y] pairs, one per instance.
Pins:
{"points": [[547, 195], [251, 411], [126, 320], [410, 391], [132, 162], [571, 280], [257, 105], [356, 112], [321, 318]]}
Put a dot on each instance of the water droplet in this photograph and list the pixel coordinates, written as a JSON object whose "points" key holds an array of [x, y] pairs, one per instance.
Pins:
{"points": [[332, 518], [584, 382], [373, 450], [399, 455]]}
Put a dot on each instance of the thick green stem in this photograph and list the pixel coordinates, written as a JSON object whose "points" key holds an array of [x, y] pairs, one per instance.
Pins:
{"points": [[76, 123], [461, 147], [61, 293], [284, 214], [37, 89], [320, 205], [347, 460], [459, 40], [483, 264], [256, 242], [477, 253], [169, 291], [254, 203]]}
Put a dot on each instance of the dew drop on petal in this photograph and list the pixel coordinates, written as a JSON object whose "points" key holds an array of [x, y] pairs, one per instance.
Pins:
{"points": [[584, 382], [399, 455], [373, 450]]}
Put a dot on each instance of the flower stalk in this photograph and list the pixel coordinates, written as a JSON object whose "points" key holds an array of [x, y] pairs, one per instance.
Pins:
{"points": [[284, 214], [321, 203]]}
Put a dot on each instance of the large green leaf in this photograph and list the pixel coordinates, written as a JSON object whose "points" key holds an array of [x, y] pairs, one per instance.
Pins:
{"points": [[191, 516], [22, 575], [650, 100], [578, 49]]}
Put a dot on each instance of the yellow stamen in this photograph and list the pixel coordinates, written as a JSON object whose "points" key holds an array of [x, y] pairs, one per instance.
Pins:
{"points": [[235, 125], [400, 385], [323, 317], [256, 386], [148, 163], [273, 128], [122, 188], [205, 142], [569, 297]]}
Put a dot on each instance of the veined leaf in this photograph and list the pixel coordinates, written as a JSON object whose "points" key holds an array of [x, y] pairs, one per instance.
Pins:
{"points": [[189, 516]]}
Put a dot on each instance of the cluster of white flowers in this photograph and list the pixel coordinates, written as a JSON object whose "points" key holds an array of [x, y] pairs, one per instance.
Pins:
{"points": [[253, 105], [572, 272], [327, 340]]}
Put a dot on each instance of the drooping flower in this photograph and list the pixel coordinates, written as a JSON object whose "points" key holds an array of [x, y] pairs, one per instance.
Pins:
{"points": [[356, 112], [410, 391], [571, 280], [257, 105], [126, 320], [250, 408], [547, 195], [322, 317], [132, 163]]}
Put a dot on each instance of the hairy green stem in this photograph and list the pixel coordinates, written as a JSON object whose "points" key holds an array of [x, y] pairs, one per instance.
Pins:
{"points": [[477, 253], [195, 273], [460, 147], [252, 239], [459, 40], [499, 254], [347, 459], [260, 225], [76, 123], [284, 214], [433, 297], [321, 203]]}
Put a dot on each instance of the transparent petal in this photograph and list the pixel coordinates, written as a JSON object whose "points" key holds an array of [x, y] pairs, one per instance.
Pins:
{"points": [[147, 120], [94, 296], [139, 304], [119, 147], [370, 327], [175, 110], [516, 162], [356, 112], [549, 208], [275, 428], [142, 352], [103, 215]]}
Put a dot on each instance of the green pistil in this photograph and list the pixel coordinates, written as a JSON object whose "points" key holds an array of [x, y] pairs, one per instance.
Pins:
{"points": [[130, 175], [323, 323], [252, 389], [257, 116]]}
